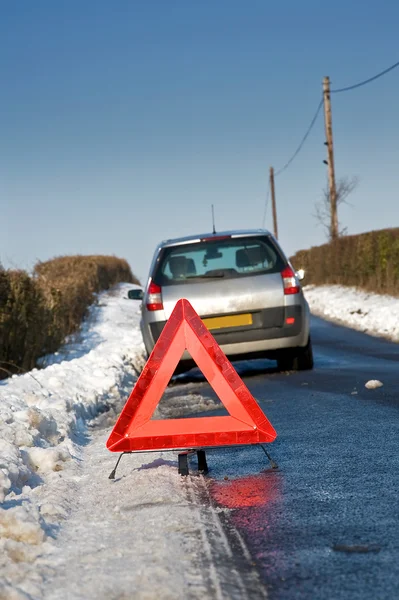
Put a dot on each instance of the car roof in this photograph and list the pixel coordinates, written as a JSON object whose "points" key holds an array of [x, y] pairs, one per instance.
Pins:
{"points": [[199, 236]]}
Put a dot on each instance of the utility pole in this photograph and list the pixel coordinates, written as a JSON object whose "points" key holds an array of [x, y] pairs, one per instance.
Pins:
{"points": [[330, 161], [273, 202]]}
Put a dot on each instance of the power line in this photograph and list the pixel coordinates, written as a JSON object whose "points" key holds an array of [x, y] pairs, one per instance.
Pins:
{"points": [[297, 151], [356, 85], [313, 121]]}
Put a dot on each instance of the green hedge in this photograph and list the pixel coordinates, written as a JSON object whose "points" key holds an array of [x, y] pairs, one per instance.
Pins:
{"points": [[369, 261], [37, 312]]}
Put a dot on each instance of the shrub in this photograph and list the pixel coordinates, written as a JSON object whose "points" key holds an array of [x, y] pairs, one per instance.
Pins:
{"points": [[369, 261], [38, 312]]}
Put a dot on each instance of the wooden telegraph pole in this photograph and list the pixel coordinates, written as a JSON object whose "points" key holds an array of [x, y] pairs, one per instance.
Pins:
{"points": [[272, 191], [330, 160]]}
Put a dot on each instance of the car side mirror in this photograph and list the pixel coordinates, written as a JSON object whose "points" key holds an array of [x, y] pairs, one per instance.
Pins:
{"points": [[300, 274], [135, 294]]}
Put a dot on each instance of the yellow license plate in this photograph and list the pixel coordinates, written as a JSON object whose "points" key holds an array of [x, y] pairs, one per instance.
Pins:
{"points": [[228, 321]]}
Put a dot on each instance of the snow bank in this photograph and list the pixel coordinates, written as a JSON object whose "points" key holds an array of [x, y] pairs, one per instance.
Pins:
{"points": [[43, 419], [371, 313]]}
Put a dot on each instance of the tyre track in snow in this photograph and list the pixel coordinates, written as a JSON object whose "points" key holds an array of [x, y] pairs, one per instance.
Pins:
{"points": [[148, 534], [233, 573]]}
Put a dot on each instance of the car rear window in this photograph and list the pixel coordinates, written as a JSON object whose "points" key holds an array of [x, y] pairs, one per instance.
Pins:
{"points": [[219, 258]]}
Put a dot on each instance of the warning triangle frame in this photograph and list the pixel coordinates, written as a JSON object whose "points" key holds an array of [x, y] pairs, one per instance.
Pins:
{"points": [[134, 431]]}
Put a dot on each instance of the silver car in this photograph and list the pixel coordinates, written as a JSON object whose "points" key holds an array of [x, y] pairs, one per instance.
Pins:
{"points": [[244, 289]]}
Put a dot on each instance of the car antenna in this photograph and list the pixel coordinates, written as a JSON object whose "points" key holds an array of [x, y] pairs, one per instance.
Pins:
{"points": [[213, 220]]}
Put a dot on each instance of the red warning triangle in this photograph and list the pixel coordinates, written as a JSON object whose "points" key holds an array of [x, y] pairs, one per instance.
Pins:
{"points": [[134, 429]]}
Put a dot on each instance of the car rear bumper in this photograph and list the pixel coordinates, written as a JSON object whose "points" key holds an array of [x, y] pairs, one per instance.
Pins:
{"points": [[266, 346], [250, 340]]}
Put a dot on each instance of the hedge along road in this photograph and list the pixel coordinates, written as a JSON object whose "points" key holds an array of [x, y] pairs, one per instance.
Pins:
{"points": [[324, 525]]}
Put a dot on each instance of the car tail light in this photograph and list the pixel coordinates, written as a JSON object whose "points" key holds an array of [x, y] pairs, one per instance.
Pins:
{"points": [[154, 298], [290, 281], [212, 238]]}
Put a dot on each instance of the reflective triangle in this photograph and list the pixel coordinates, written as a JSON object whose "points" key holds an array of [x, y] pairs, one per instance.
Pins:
{"points": [[134, 429]]}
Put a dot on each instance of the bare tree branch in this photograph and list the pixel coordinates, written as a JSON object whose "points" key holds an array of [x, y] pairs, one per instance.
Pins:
{"points": [[344, 187]]}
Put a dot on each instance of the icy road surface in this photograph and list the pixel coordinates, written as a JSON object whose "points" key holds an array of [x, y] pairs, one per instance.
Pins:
{"points": [[147, 534]]}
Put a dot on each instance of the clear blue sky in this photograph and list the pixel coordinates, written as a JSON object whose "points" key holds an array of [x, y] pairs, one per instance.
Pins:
{"points": [[122, 122]]}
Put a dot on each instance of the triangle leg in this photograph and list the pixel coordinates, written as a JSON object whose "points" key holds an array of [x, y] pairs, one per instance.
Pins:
{"points": [[202, 464], [113, 472], [273, 464], [183, 463]]}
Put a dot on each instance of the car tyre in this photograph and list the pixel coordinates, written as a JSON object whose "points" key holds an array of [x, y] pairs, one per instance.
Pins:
{"points": [[298, 359]]}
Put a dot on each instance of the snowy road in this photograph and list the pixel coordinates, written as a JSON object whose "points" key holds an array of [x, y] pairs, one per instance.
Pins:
{"points": [[66, 530], [147, 534], [244, 531]]}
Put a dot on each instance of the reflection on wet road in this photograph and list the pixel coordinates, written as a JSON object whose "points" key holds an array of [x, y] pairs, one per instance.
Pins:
{"points": [[324, 525], [252, 491]]}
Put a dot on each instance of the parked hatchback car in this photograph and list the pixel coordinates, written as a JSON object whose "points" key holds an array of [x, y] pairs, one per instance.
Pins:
{"points": [[244, 289]]}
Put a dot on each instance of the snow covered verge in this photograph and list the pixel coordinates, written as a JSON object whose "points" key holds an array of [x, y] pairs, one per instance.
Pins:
{"points": [[45, 419], [43, 416], [370, 313]]}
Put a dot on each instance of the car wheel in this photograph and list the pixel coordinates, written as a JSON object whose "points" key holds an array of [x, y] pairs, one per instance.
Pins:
{"points": [[304, 357], [298, 359]]}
